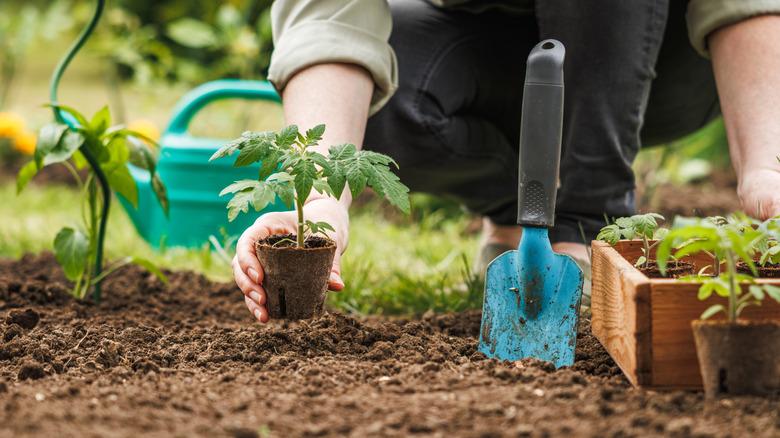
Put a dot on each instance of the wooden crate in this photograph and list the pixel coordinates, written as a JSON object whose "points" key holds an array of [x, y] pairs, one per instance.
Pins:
{"points": [[644, 323]]}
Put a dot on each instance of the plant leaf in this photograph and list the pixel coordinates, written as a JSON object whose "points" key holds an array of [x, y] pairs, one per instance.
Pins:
{"points": [[100, 121], [387, 183], [712, 310], [71, 249], [321, 186], [286, 136], [26, 173], [48, 138], [239, 203], [192, 33], [252, 152], [69, 143], [772, 291], [609, 234], [757, 292], [240, 185], [305, 172], [314, 135], [151, 267], [121, 181], [262, 195]]}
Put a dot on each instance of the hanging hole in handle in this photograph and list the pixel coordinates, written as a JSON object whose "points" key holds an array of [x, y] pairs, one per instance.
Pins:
{"points": [[548, 45]]}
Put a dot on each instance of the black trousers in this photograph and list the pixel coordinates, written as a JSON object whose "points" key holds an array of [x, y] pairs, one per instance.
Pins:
{"points": [[631, 77]]}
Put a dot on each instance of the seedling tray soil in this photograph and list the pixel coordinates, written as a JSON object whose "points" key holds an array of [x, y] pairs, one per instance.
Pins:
{"points": [[645, 323], [187, 360]]}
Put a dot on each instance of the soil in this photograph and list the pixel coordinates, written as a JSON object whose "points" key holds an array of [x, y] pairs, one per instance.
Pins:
{"points": [[674, 269], [187, 360], [289, 241], [767, 271]]}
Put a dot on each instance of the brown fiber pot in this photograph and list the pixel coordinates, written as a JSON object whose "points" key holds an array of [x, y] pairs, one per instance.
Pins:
{"points": [[738, 358], [296, 279]]}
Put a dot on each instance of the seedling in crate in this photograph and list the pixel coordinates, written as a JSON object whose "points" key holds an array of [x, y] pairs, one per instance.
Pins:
{"points": [[103, 151], [733, 355], [296, 281], [645, 228]]}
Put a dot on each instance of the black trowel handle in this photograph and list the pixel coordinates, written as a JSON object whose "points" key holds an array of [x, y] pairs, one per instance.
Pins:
{"points": [[540, 134]]}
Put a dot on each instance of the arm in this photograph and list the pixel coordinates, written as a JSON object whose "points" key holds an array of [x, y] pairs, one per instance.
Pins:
{"points": [[332, 65], [746, 61]]}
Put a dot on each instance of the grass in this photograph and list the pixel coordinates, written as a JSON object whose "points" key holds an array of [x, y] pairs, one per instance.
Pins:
{"points": [[393, 265]]}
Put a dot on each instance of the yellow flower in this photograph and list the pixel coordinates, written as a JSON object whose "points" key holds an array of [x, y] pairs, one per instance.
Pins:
{"points": [[145, 127], [25, 143], [11, 125]]}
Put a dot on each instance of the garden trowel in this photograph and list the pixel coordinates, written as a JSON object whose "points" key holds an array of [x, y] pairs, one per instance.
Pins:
{"points": [[532, 295]]}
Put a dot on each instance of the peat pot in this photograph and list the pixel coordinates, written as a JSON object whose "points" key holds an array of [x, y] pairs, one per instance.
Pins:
{"points": [[738, 358], [296, 279]]}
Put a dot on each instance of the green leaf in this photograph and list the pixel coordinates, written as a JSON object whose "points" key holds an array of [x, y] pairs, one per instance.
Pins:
{"points": [[609, 234], [262, 196], [314, 134], [48, 138], [286, 136], [387, 183], [757, 292], [69, 143], [320, 160], [82, 121], [71, 249], [100, 121], [342, 152], [121, 181], [624, 222], [151, 267], [286, 194], [712, 310], [705, 290], [337, 180], [252, 152], [305, 172], [321, 186], [192, 33], [269, 164], [773, 292], [26, 173], [640, 261], [356, 179], [240, 185], [318, 227], [239, 203]]}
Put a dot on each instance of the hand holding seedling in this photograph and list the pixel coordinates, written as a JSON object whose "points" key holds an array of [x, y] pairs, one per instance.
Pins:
{"points": [[290, 170]]}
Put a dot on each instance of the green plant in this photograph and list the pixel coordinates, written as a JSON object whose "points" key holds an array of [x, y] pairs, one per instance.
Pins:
{"points": [[99, 149], [641, 226], [290, 169], [732, 241], [768, 248]]}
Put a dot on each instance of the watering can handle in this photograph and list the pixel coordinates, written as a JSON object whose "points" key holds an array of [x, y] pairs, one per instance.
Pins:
{"points": [[195, 100], [540, 135]]}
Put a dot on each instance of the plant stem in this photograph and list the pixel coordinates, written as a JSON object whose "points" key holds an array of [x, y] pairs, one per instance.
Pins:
{"points": [[299, 210], [647, 251], [93, 162], [732, 273]]}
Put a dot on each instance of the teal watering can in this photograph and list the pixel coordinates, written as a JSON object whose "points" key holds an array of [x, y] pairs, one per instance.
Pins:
{"points": [[196, 211]]}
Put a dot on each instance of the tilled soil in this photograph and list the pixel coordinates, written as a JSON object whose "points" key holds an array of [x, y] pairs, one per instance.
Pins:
{"points": [[187, 360]]}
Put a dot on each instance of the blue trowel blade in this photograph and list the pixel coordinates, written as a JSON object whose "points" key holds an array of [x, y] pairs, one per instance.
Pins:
{"points": [[531, 304]]}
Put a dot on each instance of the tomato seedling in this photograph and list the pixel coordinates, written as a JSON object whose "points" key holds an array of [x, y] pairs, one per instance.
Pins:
{"points": [[290, 170], [104, 152], [731, 241], [642, 226]]}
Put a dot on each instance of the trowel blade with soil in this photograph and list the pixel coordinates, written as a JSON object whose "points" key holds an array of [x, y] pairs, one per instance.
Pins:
{"points": [[532, 295]]}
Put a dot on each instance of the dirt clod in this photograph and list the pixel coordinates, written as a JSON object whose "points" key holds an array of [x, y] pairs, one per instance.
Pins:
{"points": [[31, 370], [26, 319]]}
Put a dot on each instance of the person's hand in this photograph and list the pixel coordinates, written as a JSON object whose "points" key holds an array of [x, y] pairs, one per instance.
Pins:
{"points": [[247, 270], [758, 192]]}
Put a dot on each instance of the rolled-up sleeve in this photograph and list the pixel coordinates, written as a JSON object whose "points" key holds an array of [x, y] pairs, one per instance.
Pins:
{"points": [[706, 16], [310, 32]]}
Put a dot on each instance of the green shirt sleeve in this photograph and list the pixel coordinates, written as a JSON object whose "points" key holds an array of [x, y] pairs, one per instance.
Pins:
{"points": [[706, 16], [310, 32]]}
